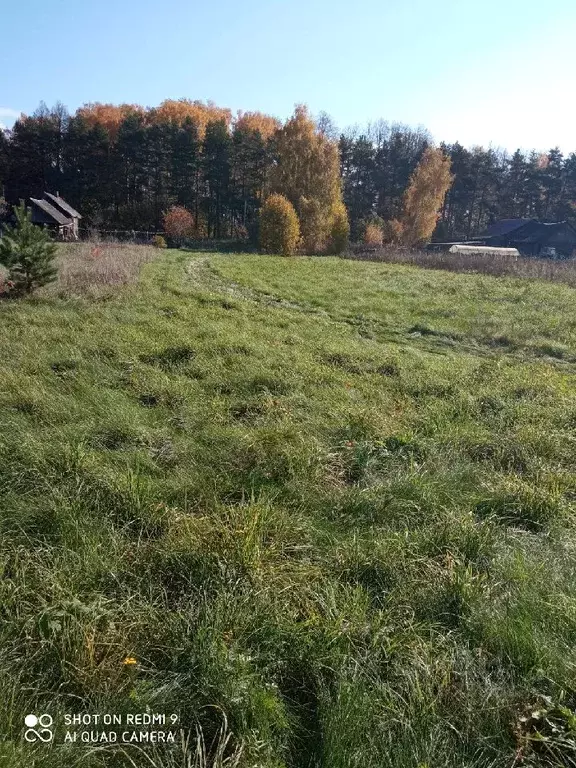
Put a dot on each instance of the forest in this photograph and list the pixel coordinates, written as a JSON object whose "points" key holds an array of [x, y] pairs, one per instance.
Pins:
{"points": [[124, 166]]}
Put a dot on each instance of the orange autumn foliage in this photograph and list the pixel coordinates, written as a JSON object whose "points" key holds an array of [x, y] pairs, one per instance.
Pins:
{"points": [[340, 229], [307, 173], [266, 125], [372, 235], [109, 116], [423, 199], [392, 231], [175, 111], [178, 222], [201, 113], [279, 228]]}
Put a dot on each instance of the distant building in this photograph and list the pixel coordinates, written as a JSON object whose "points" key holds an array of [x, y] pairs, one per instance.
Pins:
{"points": [[67, 210], [56, 214], [531, 237]]}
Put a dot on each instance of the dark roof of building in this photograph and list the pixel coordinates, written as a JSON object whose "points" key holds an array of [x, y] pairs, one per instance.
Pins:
{"points": [[62, 205], [53, 212], [504, 227], [540, 231]]}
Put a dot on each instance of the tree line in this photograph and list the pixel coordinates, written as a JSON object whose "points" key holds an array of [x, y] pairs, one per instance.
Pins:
{"points": [[124, 166], [488, 184]]}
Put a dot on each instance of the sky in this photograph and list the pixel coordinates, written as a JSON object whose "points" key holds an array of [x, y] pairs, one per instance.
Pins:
{"points": [[497, 72]]}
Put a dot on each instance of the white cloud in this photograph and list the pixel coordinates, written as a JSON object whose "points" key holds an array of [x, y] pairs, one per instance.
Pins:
{"points": [[8, 115]]}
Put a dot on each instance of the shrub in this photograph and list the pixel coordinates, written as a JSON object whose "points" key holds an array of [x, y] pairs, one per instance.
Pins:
{"points": [[253, 228], [392, 231], [340, 230], [372, 234], [159, 242], [28, 253], [241, 232], [178, 223], [279, 226], [314, 224]]}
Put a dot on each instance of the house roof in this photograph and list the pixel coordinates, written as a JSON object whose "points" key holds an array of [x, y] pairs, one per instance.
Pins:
{"points": [[62, 205], [540, 231], [504, 227], [53, 212]]}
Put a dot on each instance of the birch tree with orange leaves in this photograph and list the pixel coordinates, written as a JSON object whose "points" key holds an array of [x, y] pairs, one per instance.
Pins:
{"points": [[424, 197], [201, 113], [307, 172], [109, 116], [265, 125]]}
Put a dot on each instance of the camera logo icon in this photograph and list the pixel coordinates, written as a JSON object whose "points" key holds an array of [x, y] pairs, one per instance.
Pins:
{"points": [[38, 728]]}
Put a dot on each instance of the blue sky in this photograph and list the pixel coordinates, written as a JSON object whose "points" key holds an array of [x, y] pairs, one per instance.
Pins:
{"points": [[497, 72]]}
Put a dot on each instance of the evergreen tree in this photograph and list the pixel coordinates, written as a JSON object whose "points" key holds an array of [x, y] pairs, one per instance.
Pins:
{"points": [[250, 159], [186, 166], [553, 182], [398, 152], [88, 182], [358, 179], [36, 153], [158, 138], [216, 152], [4, 157], [132, 172], [532, 192], [566, 206], [512, 204], [489, 167], [28, 253]]}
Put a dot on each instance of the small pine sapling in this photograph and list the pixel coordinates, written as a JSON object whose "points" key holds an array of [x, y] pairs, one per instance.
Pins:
{"points": [[28, 254]]}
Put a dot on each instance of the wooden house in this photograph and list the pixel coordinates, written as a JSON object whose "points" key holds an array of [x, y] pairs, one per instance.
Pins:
{"points": [[67, 210], [56, 214]]}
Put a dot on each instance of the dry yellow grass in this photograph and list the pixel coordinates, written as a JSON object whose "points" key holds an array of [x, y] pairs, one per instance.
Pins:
{"points": [[94, 268], [559, 271]]}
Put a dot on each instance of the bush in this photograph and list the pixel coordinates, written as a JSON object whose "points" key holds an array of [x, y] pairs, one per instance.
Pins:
{"points": [[279, 226], [372, 234], [28, 253], [241, 232], [314, 225], [392, 231], [340, 230], [178, 223], [159, 242]]}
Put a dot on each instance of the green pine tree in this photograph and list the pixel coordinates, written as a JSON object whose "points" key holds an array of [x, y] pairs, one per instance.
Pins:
{"points": [[28, 253]]}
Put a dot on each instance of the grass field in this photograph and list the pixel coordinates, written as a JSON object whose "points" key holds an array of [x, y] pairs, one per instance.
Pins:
{"points": [[327, 506]]}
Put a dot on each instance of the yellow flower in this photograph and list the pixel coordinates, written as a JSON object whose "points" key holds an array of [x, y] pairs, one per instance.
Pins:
{"points": [[129, 661]]}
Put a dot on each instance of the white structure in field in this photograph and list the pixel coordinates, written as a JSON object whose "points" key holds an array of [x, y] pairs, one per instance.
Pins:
{"points": [[484, 250]]}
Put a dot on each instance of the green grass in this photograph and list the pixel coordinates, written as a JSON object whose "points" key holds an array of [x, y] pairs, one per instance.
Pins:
{"points": [[328, 506]]}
